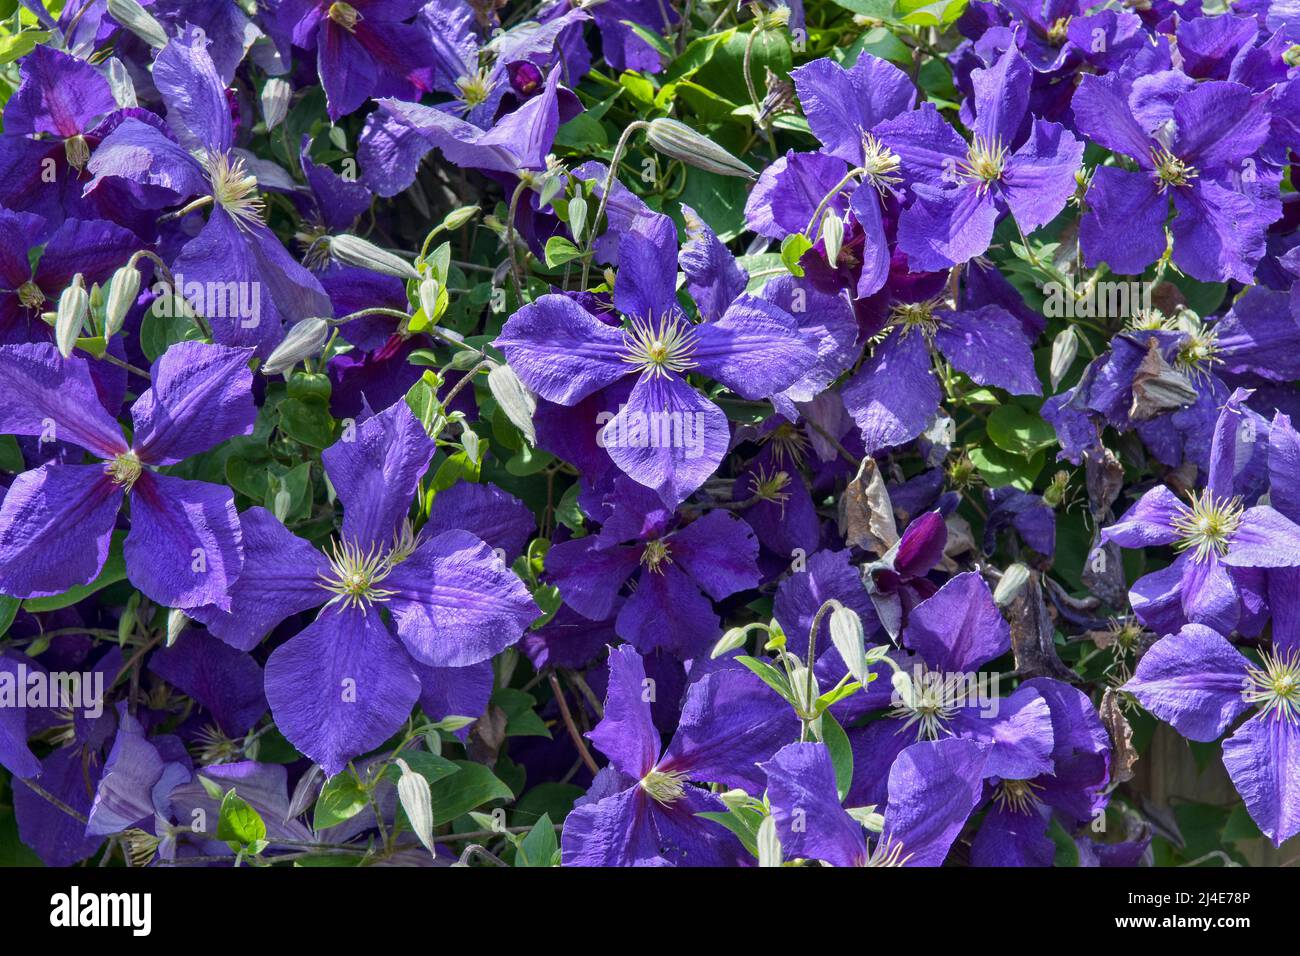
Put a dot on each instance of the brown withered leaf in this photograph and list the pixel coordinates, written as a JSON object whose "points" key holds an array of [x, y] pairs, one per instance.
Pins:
{"points": [[865, 515], [1032, 634], [1104, 478], [1158, 387], [1121, 736], [1103, 572], [487, 735]]}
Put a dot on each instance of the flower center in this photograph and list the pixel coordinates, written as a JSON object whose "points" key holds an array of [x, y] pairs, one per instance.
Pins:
{"points": [[234, 188], [354, 574], [1275, 687], [475, 88], [880, 164], [77, 151], [1199, 351], [1208, 525], [30, 295], [345, 15], [1170, 170], [659, 349], [919, 316], [1056, 33], [124, 470], [985, 160], [665, 787], [771, 486], [1017, 795], [934, 700], [788, 443], [656, 555]]}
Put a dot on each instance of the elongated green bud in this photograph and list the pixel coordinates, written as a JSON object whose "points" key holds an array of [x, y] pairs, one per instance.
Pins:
{"points": [[139, 21], [353, 251], [679, 141], [70, 318], [305, 340], [122, 291]]}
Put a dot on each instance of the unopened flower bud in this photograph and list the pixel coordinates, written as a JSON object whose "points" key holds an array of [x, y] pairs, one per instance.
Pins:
{"points": [[1065, 348], [1014, 579], [428, 293], [1292, 55], [305, 340], [70, 318], [832, 237], [139, 21], [679, 141], [353, 251], [577, 216], [122, 291], [275, 101], [903, 688], [176, 624], [848, 637], [729, 642]]}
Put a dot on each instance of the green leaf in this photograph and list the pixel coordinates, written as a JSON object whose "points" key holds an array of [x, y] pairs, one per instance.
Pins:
{"points": [[521, 717], [460, 793], [769, 675], [429, 766], [114, 570], [999, 468], [1018, 431], [8, 610], [341, 799], [793, 247], [924, 13], [240, 824], [308, 421], [159, 332], [837, 742], [11, 457], [560, 250], [539, 847]]}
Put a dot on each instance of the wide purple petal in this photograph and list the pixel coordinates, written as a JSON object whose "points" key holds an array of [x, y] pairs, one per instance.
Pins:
{"points": [[43, 394], [55, 527], [455, 603], [894, 394], [281, 576], [184, 549], [561, 351], [933, 787], [376, 472], [809, 819], [626, 733], [200, 396], [1192, 680], [341, 687], [958, 628], [1263, 760]]}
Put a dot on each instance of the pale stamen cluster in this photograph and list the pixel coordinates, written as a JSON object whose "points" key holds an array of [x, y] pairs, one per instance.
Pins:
{"points": [[1207, 526], [659, 349], [1275, 687], [234, 188]]}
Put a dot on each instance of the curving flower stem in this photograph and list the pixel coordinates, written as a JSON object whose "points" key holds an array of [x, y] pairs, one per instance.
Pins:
{"points": [[617, 158]]}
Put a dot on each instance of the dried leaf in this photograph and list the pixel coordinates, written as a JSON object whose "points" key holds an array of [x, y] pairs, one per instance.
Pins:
{"points": [[1032, 634], [1158, 387], [1121, 737], [866, 516]]}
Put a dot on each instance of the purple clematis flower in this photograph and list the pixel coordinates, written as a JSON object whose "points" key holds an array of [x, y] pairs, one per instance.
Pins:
{"points": [[398, 135], [343, 684], [93, 248], [895, 393], [1013, 162], [1216, 578], [933, 786], [952, 634], [195, 157], [364, 48], [62, 109], [676, 568], [184, 547], [668, 436], [1199, 683], [1014, 829], [642, 809], [1194, 143]]}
